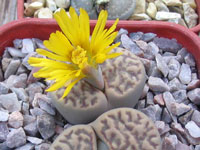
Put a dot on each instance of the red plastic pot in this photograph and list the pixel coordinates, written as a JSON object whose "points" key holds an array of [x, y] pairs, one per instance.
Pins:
{"points": [[40, 28], [20, 13]]}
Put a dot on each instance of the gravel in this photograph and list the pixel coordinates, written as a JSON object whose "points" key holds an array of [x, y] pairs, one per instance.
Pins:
{"points": [[28, 119]]}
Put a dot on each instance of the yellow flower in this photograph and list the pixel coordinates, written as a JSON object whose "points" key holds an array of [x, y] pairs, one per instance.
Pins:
{"points": [[71, 52]]}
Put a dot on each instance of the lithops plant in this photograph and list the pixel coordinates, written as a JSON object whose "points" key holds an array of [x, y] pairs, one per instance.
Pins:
{"points": [[83, 104], [88, 5], [124, 78], [79, 137], [121, 9], [127, 129]]}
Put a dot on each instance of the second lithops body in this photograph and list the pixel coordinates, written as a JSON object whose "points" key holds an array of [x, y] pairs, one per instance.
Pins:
{"points": [[83, 104], [125, 78], [127, 129]]}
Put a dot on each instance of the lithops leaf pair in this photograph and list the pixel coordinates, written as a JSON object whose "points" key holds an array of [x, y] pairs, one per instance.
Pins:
{"points": [[119, 129], [83, 104], [124, 79]]}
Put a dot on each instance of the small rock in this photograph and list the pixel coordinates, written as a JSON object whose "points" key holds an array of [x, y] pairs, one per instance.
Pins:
{"points": [[175, 85], [32, 89], [15, 53], [147, 37], [136, 35], [189, 59], [4, 131], [156, 84], [27, 46], [153, 112], [17, 43], [28, 119], [12, 68], [15, 119], [172, 2], [25, 108], [166, 116], [27, 146], [174, 68], [3, 88], [51, 5], [191, 2], [43, 146], [169, 99], [194, 96], [38, 43], [45, 13], [25, 60], [193, 129], [186, 118], [37, 111], [180, 96], [21, 94], [46, 126], [158, 99], [167, 45], [161, 6], [130, 45], [149, 99], [3, 116], [197, 147], [190, 15], [193, 84], [142, 16], [17, 81], [196, 118], [62, 3], [162, 66], [162, 127], [169, 143], [34, 140], [16, 138], [153, 70], [185, 74], [21, 69], [142, 45], [152, 10], [5, 62], [141, 104], [44, 103], [161, 15], [183, 52], [179, 109], [31, 129], [177, 127], [181, 146], [10, 102]]}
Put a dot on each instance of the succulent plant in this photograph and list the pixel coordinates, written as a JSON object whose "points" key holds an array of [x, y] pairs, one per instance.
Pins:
{"points": [[118, 129], [79, 137], [83, 104], [127, 128], [124, 78]]}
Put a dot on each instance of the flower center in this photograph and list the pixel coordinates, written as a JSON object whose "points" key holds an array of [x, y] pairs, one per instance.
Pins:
{"points": [[79, 57]]}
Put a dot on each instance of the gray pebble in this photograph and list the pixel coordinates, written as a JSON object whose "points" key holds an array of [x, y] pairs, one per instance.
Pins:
{"points": [[183, 52], [12, 68], [174, 68], [15, 81], [185, 74], [27, 46], [25, 108], [3, 116], [196, 118], [180, 96], [175, 85], [17, 43], [194, 96], [162, 66], [37, 111], [16, 138], [189, 59], [21, 94], [15, 120], [186, 117], [4, 131], [179, 109], [147, 37], [38, 43], [15, 53], [27, 146], [46, 126], [157, 84], [34, 140], [10, 102], [31, 129], [136, 35], [3, 88], [167, 44], [149, 99]]}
